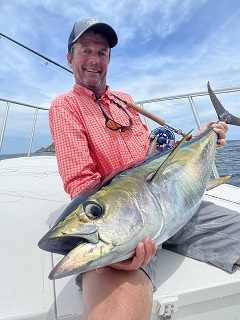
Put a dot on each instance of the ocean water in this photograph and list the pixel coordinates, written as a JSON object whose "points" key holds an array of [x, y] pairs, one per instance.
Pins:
{"points": [[227, 160]]}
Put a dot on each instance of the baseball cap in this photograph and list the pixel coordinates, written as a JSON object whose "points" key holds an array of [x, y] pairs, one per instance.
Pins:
{"points": [[83, 25]]}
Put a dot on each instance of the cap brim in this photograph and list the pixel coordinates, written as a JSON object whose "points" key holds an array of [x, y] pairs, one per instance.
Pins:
{"points": [[103, 28]]}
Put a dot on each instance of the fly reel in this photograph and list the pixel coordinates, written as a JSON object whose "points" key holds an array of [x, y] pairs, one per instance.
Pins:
{"points": [[165, 138]]}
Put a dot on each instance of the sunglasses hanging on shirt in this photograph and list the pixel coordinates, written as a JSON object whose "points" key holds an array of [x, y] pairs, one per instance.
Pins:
{"points": [[112, 124]]}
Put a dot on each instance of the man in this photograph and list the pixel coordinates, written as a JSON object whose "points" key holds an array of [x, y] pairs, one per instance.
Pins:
{"points": [[95, 134]]}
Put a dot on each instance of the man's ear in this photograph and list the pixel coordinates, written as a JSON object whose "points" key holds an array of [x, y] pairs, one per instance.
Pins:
{"points": [[69, 59]]}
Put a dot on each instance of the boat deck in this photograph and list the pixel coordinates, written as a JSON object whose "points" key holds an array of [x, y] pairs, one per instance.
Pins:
{"points": [[32, 197]]}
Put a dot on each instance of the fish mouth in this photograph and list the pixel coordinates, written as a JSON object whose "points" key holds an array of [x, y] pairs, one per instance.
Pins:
{"points": [[79, 250], [84, 257], [65, 243]]}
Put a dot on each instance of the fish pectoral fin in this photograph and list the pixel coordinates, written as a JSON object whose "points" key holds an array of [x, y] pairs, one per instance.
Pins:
{"points": [[81, 259], [169, 160], [213, 183], [153, 147]]}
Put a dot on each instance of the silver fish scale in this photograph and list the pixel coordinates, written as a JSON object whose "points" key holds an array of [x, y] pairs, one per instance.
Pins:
{"points": [[155, 199]]}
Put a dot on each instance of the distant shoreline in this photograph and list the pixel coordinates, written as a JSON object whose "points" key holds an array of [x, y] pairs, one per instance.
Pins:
{"points": [[50, 148]]}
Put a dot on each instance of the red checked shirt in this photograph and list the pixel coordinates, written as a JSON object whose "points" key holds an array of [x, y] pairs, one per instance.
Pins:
{"points": [[86, 150]]}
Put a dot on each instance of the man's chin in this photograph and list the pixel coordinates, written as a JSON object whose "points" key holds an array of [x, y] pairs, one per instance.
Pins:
{"points": [[95, 86]]}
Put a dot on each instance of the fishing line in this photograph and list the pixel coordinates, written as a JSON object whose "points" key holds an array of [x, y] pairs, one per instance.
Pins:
{"points": [[21, 196], [6, 193], [43, 174], [20, 193]]}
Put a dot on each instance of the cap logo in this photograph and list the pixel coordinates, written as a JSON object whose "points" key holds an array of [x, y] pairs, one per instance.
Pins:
{"points": [[91, 21]]}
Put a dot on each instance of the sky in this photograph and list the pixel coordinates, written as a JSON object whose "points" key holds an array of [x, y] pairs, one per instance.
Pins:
{"points": [[166, 48]]}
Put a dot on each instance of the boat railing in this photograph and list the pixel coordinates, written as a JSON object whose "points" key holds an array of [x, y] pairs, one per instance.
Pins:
{"points": [[9, 103], [189, 96]]}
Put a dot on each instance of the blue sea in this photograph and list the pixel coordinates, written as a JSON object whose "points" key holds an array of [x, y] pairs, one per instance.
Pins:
{"points": [[227, 161]]}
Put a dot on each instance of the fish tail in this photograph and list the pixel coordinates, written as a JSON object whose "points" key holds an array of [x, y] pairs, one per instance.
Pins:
{"points": [[222, 113]]}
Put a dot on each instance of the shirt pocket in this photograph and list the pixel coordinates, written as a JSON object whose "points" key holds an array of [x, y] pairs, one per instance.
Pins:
{"points": [[140, 134]]}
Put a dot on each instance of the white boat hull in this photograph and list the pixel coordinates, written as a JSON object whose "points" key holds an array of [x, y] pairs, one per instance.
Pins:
{"points": [[32, 197]]}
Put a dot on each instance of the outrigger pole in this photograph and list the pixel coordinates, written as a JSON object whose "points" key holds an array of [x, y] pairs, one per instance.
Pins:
{"points": [[35, 52], [130, 104], [139, 109]]}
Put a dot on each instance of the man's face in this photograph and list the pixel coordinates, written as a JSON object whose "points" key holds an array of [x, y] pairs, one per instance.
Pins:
{"points": [[89, 61]]}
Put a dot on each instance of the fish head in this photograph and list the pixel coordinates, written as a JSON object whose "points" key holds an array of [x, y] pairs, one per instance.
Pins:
{"points": [[91, 232]]}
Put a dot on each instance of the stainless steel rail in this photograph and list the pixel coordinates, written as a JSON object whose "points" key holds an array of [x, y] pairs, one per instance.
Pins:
{"points": [[189, 96], [5, 118]]}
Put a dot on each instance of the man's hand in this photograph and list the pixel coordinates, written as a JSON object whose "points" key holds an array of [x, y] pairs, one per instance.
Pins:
{"points": [[145, 250], [221, 129]]}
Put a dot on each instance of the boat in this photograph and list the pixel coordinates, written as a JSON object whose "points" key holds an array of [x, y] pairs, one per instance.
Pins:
{"points": [[32, 197]]}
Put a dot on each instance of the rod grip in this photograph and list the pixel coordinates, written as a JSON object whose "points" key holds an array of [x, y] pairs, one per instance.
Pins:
{"points": [[151, 116], [146, 113]]}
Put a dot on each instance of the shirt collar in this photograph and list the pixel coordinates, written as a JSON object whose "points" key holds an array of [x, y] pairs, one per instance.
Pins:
{"points": [[83, 90]]}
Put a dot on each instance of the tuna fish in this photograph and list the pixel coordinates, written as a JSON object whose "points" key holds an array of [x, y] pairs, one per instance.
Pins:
{"points": [[155, 198]]}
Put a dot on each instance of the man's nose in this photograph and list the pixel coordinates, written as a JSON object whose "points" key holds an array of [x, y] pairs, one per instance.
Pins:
{"points": [[94, 57]]}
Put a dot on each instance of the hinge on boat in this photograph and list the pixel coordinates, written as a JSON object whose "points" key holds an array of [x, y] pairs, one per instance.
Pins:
{"points": [[165, 307]]}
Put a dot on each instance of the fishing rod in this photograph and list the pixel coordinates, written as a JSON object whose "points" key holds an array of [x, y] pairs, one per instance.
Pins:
{"points": [[35, 52], [132, 105], [151, 116]]}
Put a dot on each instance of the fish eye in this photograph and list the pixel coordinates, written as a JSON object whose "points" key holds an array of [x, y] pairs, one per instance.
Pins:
{"points": [[92, 209]]}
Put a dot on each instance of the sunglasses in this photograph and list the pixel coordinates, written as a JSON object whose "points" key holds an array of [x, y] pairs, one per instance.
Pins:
{"points": [[112, 124]]}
